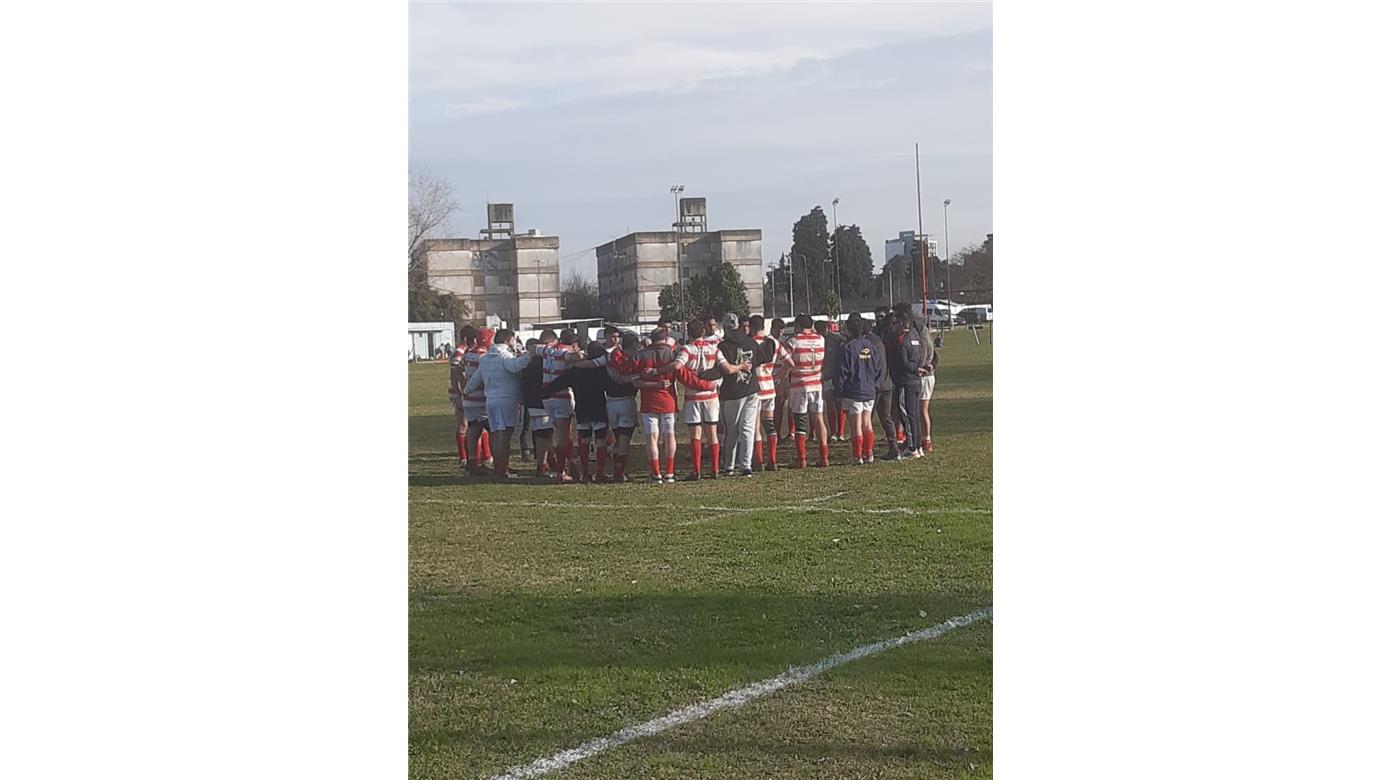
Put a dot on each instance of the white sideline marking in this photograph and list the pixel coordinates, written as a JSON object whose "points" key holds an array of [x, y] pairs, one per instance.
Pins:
{"points": [[820, 499], [718, 509], [735, 698]]}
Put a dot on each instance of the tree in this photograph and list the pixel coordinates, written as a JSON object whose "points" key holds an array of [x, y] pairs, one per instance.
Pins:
{"points": [[430, 207], [670, 299], [715, 291], [726, 291], [855, 270], [578, 297], [811, 256], [972, 277], [428, 305]]}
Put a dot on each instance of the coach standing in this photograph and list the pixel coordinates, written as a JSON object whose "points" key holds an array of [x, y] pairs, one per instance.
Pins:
{"points": [[906, 359]]}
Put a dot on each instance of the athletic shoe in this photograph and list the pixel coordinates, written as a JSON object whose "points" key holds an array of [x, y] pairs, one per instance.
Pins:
{"points": [[464, 465], [726, 472], [854, 461], [695, 477], [890, 454], [624, 478], [656, 479], [918, 452], [602, 479], [670, 479], [746, 473], [831, 439]]}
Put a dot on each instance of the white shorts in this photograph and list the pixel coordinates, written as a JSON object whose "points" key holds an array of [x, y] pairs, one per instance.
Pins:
{"points": [[926, 387], [500, 416], [539, 420], [805, 400], [659, 423], [856, 407], [697, 412], [474, 411], [559, 408], [766, 404], [622, 412]]}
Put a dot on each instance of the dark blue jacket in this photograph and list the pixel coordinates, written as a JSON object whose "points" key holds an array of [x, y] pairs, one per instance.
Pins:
{"points": [[860, 370], [906, 356]]}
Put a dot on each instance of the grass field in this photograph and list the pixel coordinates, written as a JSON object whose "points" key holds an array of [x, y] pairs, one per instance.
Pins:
{"points": [[543, 616]]}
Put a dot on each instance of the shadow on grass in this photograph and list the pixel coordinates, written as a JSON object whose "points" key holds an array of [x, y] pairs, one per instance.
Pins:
{"points": [[752, 634]]}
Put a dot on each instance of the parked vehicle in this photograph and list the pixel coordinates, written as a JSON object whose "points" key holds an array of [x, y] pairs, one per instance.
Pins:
{"points": [[975, 315]]}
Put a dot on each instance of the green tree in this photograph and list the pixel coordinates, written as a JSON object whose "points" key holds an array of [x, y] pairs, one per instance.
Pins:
{"points": [[670, 301], [426, 304], [811, 256], [725, 291], [578, 297], [855, 268]]}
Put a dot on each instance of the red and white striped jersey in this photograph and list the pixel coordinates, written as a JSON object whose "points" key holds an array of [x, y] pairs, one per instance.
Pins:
{"points": [[700, 355], [470, 361], [764, 372], [805, 353], [455, 380], [554, 365]]}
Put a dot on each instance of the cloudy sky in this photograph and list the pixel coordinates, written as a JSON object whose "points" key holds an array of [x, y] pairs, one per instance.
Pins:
{"points": [[584, 115]]}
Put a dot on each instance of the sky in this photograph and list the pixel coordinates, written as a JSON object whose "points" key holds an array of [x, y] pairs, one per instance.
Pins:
{"points": [[584, 115]]}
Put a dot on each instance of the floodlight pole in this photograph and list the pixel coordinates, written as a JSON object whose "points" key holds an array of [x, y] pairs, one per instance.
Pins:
{"points": [[676, 191], [836, 254], [923, 240], [792, 311], [948, 261]]}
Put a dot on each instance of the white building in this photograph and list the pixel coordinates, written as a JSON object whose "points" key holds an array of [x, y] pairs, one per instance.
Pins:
{"points": [[513, 277]]}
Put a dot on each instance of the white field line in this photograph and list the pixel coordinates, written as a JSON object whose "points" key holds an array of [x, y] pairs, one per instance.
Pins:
{"points": [[734, 699], [820, 499], [716, 509]]}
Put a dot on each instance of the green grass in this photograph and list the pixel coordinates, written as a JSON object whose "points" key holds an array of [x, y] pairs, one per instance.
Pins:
{"points": [[533, 629]]}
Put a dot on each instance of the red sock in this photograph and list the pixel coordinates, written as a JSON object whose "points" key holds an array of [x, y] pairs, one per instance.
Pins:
{"points": [[841, 423], [825, 452], [801, 449], [585, 457], [773, 449], [870, 444], [602, 459], [462, 446], [857, 447], [485, 447], [758, 452], [792, 425], [670, 465], [656, 467], [695, 454], [714, 458]]}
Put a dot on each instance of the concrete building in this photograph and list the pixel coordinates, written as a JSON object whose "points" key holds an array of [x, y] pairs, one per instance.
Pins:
{"points": [[504, 274], [633, 269]]}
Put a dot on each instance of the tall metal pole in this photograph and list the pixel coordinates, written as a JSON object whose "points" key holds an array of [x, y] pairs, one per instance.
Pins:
{"points": [[836, 244], [792, 303], [676, 191], [948, 260], [923, 240]]}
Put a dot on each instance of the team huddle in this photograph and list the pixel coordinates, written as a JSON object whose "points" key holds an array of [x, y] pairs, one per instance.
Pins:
{"points": [[733, 387]]}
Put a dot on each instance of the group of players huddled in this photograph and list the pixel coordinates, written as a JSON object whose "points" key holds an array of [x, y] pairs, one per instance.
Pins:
{"points": [[737, 383]]}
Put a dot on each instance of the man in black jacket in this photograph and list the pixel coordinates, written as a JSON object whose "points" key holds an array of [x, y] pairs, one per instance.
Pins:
{"points": [[884, 394], [738, 396], [588, 380], [860, 371], [906, 367]]}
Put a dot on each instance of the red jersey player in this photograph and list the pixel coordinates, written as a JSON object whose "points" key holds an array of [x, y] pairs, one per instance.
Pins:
{"points": [[804, 352]]}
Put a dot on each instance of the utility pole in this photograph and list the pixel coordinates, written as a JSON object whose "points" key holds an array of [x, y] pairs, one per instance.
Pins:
{"points": [[792, 311], [676, 190], [836, 245], [923, 240], [948, 261]]}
